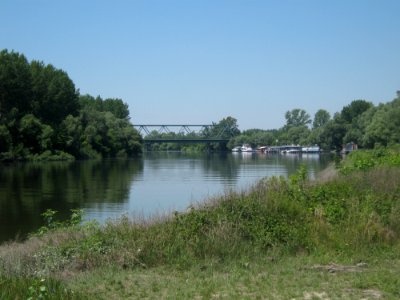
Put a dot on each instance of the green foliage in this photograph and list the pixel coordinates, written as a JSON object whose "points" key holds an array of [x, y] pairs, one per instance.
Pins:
{"points": [[255, 137], [42, 117], [359, 122], [297, 117], [368, 159], [54, 96], [38, 290], [51, 223], [321, 118], [115, 106], [5, 139], [95, 134], [34, 288], [15, 85], [355, 109], [383, 126]]}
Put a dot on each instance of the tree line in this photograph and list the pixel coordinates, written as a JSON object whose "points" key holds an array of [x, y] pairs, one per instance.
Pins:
{"points": [[360, 122], [43, 116]]}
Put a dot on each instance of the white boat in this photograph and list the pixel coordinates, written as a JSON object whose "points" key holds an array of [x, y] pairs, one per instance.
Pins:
{"points": [[246, 148], [290, 149], [237, 149], [312, 149]]}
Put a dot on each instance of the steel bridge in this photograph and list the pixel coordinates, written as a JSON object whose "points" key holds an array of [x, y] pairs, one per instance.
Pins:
{"points": [[184, 133]]}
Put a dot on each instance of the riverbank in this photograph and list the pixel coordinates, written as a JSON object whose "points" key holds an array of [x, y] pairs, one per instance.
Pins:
{"points": [[283, 238]]}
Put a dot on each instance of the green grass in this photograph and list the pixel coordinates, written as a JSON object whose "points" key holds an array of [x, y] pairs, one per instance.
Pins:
{"points": [[282, 239], [290, 277]]}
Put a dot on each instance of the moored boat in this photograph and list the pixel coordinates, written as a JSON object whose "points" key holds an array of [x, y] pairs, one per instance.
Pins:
{"points": [[236, 149], [246, 148], [312, 149]]}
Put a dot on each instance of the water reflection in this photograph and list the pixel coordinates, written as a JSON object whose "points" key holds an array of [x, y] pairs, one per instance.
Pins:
{"points": [[28, 189], [155, 183]]}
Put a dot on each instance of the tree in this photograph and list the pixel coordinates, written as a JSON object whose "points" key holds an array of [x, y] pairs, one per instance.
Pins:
{"points": [[117, 107], [5, 139], [354, 109], [54, 94], [40, 111], [254, 137], [384, 126], [297, 117], [333, 133], [15, 85], [71, 133], [227, 128], [35, 136], [100, 134], [321, 118], [298, 135]]}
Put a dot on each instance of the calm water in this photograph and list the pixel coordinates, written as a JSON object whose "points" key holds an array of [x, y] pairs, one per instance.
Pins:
{"points": [[155, 183]]}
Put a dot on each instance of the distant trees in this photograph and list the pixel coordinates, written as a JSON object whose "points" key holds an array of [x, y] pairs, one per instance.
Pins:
{"points": [[42, 115], [297, 117], [360, 122], [321, 117], [226, 128]]}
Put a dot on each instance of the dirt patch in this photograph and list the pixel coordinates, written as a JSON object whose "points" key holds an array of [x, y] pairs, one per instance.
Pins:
{"points": [[335, 268], [327, 174], [315, 295], [366, 294]]}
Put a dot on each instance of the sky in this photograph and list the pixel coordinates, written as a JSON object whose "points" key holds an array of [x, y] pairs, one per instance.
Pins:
{"points": [[198, 61]]}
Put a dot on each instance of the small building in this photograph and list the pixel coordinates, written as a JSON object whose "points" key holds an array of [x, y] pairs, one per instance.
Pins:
{"points": [[349, 147]]}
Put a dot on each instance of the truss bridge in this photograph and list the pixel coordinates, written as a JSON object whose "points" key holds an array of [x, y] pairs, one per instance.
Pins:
{"points": [[184, 133]]}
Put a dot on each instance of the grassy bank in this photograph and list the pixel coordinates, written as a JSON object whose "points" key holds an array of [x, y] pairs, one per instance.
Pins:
{"points": [[283, 238]]}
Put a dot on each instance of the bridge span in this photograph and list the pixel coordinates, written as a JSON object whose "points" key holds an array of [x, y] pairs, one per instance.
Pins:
{"points": [[184, 133]]}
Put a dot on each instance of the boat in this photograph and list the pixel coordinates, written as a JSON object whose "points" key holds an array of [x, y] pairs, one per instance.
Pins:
{"points": [[262, 149], [312, 149], [236, 149], [246, 148], [290, 149]]}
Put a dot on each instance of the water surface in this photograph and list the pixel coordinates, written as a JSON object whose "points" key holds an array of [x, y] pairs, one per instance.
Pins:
{"points": [[155, 183]]}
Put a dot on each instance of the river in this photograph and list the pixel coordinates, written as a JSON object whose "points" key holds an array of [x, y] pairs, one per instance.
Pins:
{"points": [[156, 183]]}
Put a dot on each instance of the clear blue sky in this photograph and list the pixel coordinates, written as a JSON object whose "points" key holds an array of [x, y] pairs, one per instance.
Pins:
{"points": [[199, 61]]}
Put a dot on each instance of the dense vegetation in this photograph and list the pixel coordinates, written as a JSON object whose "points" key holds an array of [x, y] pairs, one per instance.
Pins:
{"points": [[354, 216], [42, 116]]}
